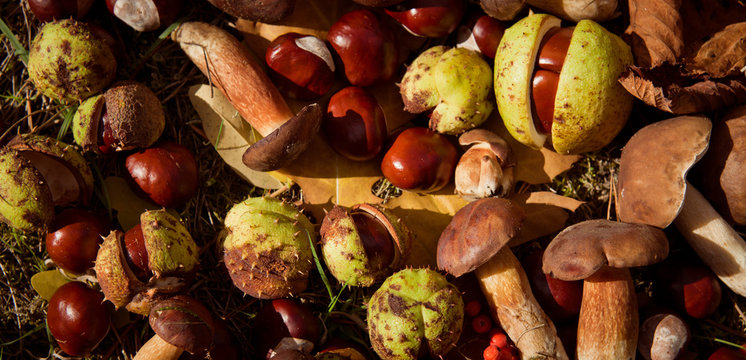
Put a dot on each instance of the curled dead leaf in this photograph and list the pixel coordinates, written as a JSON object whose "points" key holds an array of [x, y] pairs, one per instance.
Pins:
{"points": [[724, 54], [655, 32]]}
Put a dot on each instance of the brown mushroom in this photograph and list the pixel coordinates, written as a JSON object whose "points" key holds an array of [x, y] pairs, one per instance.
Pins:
{"points": [[486, 168], [599, 252], [653, 190], [476, 240], [181, 323], [259, 10], [663, 336], [234, 71]]}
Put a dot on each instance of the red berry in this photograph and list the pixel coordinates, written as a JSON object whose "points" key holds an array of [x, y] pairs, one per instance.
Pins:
{"points": [[491, 353], [481, 324], [499, 339], [473, 308]]}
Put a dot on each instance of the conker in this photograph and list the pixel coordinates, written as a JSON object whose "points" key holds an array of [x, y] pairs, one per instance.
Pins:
{"points": [[301, 65], [145, 15], [136, 252], [354, 124], [285, 318], [78, 318], [560, 299], [75, 237], [429, 18], [552, 52], [487, 33], [166, 172], [692, 288], [365, 46], [48, 10], [378, 244], [420, 160]]}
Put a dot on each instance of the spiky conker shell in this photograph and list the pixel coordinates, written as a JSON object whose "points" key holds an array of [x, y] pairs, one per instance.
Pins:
{"points": [[86, 122], [415, 308], [455, 83], [65, 154], [172, 258], [68, 62], [344, 251], [27, 202], [118, 283], [171, 250], [267, 248]]}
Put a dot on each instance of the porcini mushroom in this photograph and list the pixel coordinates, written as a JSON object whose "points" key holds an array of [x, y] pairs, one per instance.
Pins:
{"points": [[600, 251], [180, 323], [477, 240], [653, 190], [233, 70], [486, 168]]}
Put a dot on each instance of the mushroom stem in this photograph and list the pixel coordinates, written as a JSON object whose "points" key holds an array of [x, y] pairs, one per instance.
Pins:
{"points": [[234, 70], [713, 239], [506, 287], [158, 349], [607, 327]]}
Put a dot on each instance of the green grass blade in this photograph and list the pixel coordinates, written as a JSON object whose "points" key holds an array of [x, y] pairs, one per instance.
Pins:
{"points": [[21, 52], [319, 267], [69, 114]]}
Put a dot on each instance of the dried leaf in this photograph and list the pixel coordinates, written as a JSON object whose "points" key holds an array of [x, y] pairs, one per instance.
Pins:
{"points": [[128, 205], [532, 166], [655, 32], [546, 214], [668, 88], [704, 18], [724, 54], [47, 282], [230, 134]]}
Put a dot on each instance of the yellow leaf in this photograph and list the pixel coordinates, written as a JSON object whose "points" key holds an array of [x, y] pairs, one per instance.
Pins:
{"points": [[128, 205]]}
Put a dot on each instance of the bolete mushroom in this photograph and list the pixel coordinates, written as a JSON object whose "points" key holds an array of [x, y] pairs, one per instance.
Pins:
{"points": [[600, 251], [653, 190], [180, 323], [486, 168], [234, 71], [477, 240]]}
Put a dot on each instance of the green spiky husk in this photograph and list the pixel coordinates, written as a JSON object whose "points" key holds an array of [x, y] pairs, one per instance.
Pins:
{"points": [[27, 202], [171, 249]]}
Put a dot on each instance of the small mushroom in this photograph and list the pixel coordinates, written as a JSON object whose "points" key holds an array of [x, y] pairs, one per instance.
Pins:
{"points": [[232, 69], [653, 190], [663, 337], [181, 324], [600, 251], [477, 240], [486, 168]]}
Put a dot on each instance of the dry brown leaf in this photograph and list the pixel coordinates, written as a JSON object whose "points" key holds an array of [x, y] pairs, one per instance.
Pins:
{"points": [[668, 88], [655, 32], [546, 214], [704, 18], [229, 134], [724, 54]]}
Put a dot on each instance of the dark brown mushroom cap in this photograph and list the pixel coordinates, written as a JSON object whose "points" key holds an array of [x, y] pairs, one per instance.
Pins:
{"points": [[653, 168], [581, 249], [259, 10], [722, 169], [183, 322], [286, 142], [476, 233]]}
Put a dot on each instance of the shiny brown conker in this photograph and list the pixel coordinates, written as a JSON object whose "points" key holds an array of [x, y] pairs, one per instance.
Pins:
{"points": [[560, 299], [78, 318], [429, 18], [354, 124], [285, 318], [167, 172], [76, 236], [48, 10], [300, 65]]}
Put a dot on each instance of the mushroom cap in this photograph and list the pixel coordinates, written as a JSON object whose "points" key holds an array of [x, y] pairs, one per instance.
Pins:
{"points": [[722, 169], [494, 142], [653, 168], [582, 249], [476, 233], [183, 322], [286, 142]]}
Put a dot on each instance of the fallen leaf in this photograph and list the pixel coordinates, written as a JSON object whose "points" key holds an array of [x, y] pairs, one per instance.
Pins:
{"points": [[128, 205], [229, 134], [724, 54], [704, 18], [47, 282], [546, 214], [669, 88], [655, 32]]}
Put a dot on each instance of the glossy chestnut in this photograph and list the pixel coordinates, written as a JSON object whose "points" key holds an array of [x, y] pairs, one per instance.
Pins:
{"points": [[166, 172], [560, 299], [365, 46], [48, 10], [728, 353], [300, 65], [78, 318], [487, 33], [145, 15], [285, 318], [552, 53], [378, 244], [692, 288], [354, 124], [420, 160], [73, 243], [553, 49], [136, 253], [429, 18]]}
